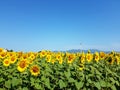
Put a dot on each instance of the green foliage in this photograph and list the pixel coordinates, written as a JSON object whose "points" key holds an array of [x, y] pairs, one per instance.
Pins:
{"points": [[94, 76]]}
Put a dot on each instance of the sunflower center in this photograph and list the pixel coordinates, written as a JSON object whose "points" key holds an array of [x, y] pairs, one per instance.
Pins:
{"points": [[6, 62], [22, 64], [35, 69], [12, 59]]}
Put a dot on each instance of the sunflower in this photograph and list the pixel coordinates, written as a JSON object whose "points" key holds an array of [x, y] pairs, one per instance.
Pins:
{"points": [[10, 54], [71, 57], [82, 58], [60, 61], [19, 54], [117, 59], [48, 58], [22, 65], [6, 62], [96, 57], [43, 53], [81, 67], [89, 57], [58, 56], [13, 59], [102, 55], [3, 54], [32, 56], [110, 60], [53, 60], [25, 56], [1, 50], [35, 70]]}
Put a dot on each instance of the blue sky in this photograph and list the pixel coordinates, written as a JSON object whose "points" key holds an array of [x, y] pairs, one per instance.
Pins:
{"points": [[33, 25]]}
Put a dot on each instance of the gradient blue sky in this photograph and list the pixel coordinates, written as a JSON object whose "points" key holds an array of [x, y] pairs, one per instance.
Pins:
{"points": [[33, 25]]}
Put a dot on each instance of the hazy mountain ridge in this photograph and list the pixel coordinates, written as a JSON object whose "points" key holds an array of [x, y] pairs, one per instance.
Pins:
{"points": [[80, 50]]}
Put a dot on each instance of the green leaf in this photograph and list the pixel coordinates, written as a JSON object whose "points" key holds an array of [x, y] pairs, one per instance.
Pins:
{"points": [[47, 83], [67, 74], [111, 79], [37, 86], [15, 81], [97, 72], [109, 84], [113, 87], [1, 79], [25, 88], [61, 84], [103, 83], [8, 84], [117, 83], [97, 84], [43, 78], [1, 89], [79, 85], [71, 80], [32, 81], [89, 81]]}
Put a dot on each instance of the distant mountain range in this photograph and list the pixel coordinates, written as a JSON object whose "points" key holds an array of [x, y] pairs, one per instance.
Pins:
{"points": [[79, 50]]}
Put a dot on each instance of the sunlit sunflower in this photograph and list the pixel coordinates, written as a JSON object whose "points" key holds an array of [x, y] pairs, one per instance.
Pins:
{"points": [[96, 56], [13, 59], [25, 56], [102, 55], [82, 57], [3, 55], [10, 54], [22, 65], [58, 56], [19, 54], [48, 58], [89, 57], [6, 62], [1, 50], [71, 57], [35, 70], [60, 61], [53, 60], [43, 53], [117, 59], [32, 56]]}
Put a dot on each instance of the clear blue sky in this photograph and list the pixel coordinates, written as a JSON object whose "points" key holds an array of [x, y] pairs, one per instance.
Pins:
{"points": [[33, 25]]}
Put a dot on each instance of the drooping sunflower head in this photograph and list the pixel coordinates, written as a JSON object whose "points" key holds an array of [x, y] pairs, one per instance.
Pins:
{"points": [[81, 67], [35, 70], [117, 59], [110, 60]]}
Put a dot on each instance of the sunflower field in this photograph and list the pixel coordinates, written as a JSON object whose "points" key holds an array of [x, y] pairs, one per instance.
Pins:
{"points": [[47, 70]]}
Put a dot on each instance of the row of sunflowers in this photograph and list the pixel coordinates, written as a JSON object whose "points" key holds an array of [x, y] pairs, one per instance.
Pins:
{"points": [[47, 70]]}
